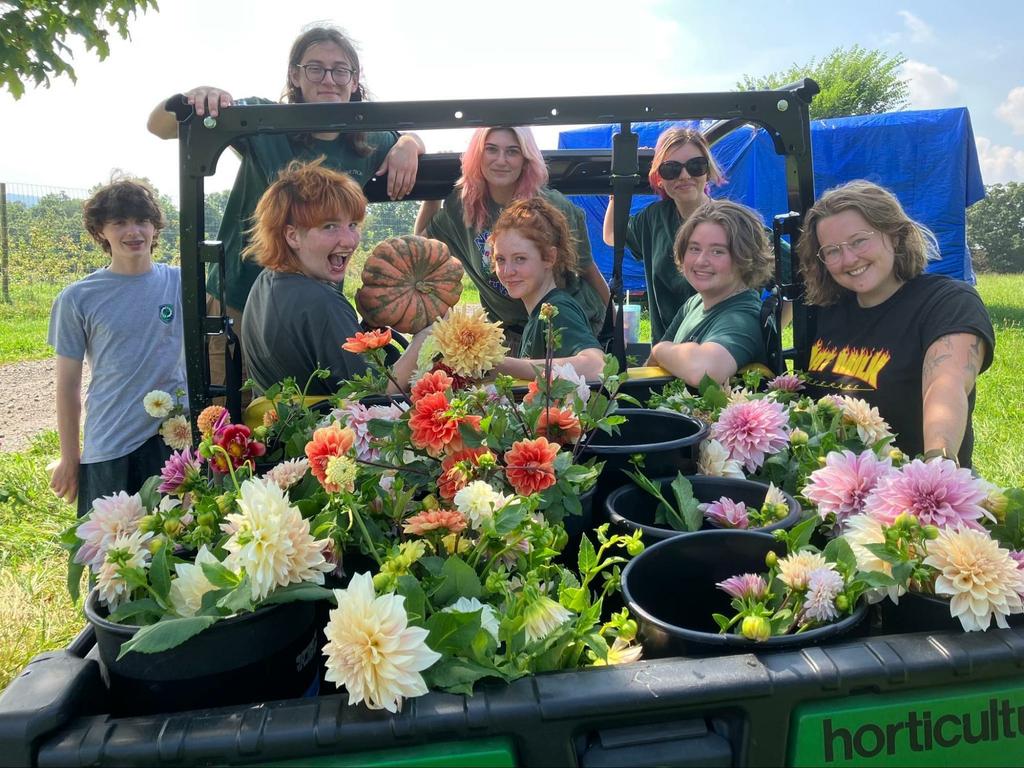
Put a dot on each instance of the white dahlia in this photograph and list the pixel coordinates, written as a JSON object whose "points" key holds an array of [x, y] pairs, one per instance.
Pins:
{"points": [[126, 551], [158, 404], [714, 461], [191, 584]]}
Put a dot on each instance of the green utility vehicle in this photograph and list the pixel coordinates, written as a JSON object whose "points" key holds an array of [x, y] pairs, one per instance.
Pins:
{"points": [[923, 698]]}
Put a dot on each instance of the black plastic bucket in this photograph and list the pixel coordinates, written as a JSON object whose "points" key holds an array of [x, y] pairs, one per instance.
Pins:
{"points": [[669, 443], [253, 657], [926, 613], [630, 507], [670, 590]]}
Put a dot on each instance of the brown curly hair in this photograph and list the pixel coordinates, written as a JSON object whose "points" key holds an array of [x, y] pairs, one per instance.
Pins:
{"points": [[748, 244], [545, 226], [125, 198]]}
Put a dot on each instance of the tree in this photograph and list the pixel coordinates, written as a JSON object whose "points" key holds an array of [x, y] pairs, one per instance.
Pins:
{"points": [[995, 229], [35, 34], [854, 81], [214, 206]]}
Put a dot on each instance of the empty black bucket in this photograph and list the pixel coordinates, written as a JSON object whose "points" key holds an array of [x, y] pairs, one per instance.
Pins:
{"points": [[630, 507], [670, 590], [668, 442], [253, 657]]}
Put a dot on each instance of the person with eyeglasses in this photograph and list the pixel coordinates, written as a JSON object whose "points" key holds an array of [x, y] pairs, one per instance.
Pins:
{"points": [[680, 173], [323, 67], [911, 344], [723, 253], [502, 165]]}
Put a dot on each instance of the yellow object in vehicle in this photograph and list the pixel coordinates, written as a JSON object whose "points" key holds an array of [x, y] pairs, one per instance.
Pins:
{"points": [[253, 416]]}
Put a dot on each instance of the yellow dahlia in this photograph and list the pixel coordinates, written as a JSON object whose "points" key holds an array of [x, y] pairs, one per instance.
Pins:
{"points": [[982, 578], [471, 344]]}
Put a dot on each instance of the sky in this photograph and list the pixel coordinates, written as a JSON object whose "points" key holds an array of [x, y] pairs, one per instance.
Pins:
{"points": [[74, 135]]}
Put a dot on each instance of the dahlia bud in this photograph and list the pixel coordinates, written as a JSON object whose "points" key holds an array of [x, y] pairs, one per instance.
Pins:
{"points": [[756, 628], [996, 503], [487, 461], [172, 527], [771, 559], [260, 433], [548, 311], [842, 603], [904, 520], [781, 510], [930, 532], [821, 461], [798, 437], [224, 503], [431, 503], [897, 455], [155, 545], [149, 524], [205, 519], [634, 547]]}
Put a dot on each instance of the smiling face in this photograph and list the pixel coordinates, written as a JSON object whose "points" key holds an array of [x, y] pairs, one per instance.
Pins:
{"points": [[330, 56], [686, 191], [128, 238], [708, 264], [502, 163], [521, 267], [869, 272], [324, 251]]}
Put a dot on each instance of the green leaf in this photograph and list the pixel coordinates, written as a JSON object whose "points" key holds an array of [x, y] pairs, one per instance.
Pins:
{"points": [[145, 607], [160, 573], [723, 622], [839, 551], [218, 575], [688, 506], [239, 599], [587, 556], [452, 633], [298, 592], [148, 494], [75, 580], [876, 579], [458, 675], [166, 634], [409, 587], [457, 580]]}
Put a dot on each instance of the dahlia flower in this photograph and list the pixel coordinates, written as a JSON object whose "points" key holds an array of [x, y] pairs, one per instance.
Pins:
{"points": [[714, 461], [191, 584], [448, 520], [209, 417], [566, 372], [111, 517], [327, 442], [342, 472], [559, 426], [288, 473], [747, 586], [751, 431], [726, 513], [457, 469], [823, 585], [181, 468], [488, 617], [841, 486], [372, 650], [796, 569], [237, 442], [937, 493], [357, 417], [177, 433], [859, 531], [871, 427], [126, 551], [982, 579], [543, 616], [529, 465], [429, 383], [432, 425], [470, 343], [158, 404], [786, 382], [364, 342], [270, 541], [479, 501], [621, 652]]}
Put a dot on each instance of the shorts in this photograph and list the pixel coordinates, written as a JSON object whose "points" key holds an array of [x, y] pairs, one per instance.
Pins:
{"points": [[127, 473]]}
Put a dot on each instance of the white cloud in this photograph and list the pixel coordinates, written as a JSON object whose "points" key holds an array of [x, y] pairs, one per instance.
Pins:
{"points": [[1012, 109], [999, 164], [917, 28], [929, 88]]}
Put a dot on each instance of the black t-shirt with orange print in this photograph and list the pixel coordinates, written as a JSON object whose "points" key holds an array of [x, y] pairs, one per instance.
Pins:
{"points": [[877, 353]]}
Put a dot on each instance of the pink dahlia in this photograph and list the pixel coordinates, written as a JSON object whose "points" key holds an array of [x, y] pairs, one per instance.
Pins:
{"points": [[358, 417], [787, 382], [841, 486], [110, 518], [937, 493], [752, 430], [182, 467], [726, 513], [747, 586]]}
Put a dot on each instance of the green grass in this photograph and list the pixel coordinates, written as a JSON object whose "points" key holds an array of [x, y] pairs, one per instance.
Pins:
{"points": [[24, 322]]}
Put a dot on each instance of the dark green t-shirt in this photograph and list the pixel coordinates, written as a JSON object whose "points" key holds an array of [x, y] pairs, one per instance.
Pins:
{"points": [[470, 247], [571, 321], [734, 323], [263, 157], [650, 236]]}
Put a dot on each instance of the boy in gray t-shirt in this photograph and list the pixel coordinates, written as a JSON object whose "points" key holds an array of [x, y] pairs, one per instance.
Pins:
{"points": [[125, 319]]}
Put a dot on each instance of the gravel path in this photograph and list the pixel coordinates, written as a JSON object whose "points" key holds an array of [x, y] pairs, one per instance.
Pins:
{"points": [[27, 392]]}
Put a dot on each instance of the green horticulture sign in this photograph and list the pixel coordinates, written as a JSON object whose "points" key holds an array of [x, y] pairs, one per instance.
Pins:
{"points": [[966, 726]]}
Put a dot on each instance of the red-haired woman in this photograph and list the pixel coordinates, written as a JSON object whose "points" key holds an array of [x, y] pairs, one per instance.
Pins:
{"points": [[501, 165], [680, 173], [296, 319]]}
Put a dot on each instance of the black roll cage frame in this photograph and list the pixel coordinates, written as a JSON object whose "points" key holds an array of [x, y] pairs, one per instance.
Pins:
{"points": [[782, 113]]}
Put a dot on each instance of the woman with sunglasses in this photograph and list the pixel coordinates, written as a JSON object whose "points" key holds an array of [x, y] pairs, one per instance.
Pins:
{"points": [[680, 173], [722, 251], [323, 67], [502, 165], [909, 343]]}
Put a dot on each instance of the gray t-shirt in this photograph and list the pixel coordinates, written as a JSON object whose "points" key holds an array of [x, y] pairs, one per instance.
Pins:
{"points": [[128, 328]]}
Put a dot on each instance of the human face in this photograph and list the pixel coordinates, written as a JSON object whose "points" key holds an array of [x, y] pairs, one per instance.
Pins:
{"points": [[522, 268], [686, 191], [502, 163], [129, 238], [871, 273], [324, 251], [708, 265], [331, 56]]}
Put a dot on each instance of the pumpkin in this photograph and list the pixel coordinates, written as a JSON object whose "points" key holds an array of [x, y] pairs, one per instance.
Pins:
{"points": [[408, 282]]}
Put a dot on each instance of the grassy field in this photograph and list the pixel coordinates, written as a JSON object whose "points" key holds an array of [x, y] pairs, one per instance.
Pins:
{"points": [[24, 322], [36, 614]]}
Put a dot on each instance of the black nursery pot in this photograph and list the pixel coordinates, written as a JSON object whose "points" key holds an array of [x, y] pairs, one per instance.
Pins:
{"points": [[669, 443], [253, 657], [630, 507], [917, 612], [670, 590]]}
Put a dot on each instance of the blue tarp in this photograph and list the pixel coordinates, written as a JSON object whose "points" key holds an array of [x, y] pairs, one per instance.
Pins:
{"points": [[927, 158]]}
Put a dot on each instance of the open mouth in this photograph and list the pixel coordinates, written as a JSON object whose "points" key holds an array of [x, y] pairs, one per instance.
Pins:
{"points": [[857, 272], [338, 261]]}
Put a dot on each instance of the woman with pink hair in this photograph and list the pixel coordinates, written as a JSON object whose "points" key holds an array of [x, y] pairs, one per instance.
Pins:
{"points": [[680, 173], [501, 165]]}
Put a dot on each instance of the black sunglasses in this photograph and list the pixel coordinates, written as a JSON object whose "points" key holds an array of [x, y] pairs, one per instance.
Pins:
{"points": [[672, 169]]}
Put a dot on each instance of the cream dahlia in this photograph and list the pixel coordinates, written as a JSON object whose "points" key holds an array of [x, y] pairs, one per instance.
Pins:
{"points": [[871, 427], [288, 473], [126, 551], [177, 433], [191, 584], [795, 569], [158, 404], [714, 461], [470, 343]]}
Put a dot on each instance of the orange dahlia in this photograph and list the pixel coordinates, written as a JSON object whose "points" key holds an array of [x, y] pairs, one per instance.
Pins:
{"points": [[432, 425], [455, 473], [457, 444], [208, 418], [429, 383], [364, 342], [559, 425], [328, 442], [529, 465], [450, 520]]}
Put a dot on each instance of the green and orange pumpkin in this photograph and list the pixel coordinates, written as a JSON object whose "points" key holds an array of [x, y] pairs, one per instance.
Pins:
{"points": [[408, 282]]}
